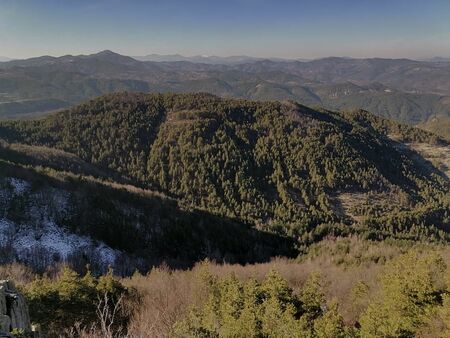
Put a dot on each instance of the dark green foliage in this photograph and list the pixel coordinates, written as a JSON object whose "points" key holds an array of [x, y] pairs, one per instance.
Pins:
{"points": [[266, 309], [410, 299], [278, 166], [72, 299], [147, 226]]}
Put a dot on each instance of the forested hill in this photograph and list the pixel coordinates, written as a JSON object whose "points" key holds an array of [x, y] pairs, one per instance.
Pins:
{"points": [[281, 167]]}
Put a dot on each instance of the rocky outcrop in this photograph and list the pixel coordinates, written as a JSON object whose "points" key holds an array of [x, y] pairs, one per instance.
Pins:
{"points": [[13, 309]]}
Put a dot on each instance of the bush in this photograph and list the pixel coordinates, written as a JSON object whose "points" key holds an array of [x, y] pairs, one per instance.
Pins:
{"points": [[71, 300], [261, 309], [411, 289]]}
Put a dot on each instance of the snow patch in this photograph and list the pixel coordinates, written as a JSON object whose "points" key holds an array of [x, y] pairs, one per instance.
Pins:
{"points": [[19, 186], [53, 239], [38, 236], [6, 229]]}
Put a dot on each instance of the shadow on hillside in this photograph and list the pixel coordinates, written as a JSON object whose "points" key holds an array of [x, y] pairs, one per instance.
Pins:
{"points": [[55, 159], [151, 229], [426, 168], [321, 116]]}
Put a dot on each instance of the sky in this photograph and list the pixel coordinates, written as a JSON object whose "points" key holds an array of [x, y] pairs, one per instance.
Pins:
{"points": [[263, 28]]}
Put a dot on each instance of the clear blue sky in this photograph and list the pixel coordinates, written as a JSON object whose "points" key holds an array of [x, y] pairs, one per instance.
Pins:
{"points": [[279, 28]]}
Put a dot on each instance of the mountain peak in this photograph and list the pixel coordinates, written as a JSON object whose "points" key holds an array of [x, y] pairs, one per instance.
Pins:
{"points": [[110, 56], [107, 52]]}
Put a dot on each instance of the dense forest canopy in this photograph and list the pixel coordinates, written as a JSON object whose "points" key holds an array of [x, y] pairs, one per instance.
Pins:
{"points": [[151, 182], [282, 167]]}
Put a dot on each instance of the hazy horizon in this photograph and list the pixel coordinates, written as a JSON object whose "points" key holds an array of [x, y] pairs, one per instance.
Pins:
{"points": [[259, 28], [6, 58]]}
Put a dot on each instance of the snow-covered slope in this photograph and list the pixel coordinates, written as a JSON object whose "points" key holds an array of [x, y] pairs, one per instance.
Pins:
{"points": [[31, 229]]}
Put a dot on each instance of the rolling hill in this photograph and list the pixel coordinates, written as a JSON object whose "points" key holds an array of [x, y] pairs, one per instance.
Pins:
{"points": [[181, 177], [405, 90], [55, 208], [438, 125]]}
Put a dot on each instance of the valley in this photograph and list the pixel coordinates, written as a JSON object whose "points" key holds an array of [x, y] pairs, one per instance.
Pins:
{"points": [[224, 169], [180, 166], [168, 202], [401, 89]]}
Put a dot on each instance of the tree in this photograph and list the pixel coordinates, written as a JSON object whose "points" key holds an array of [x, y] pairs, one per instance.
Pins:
{"points": [[408, 292], [330, 324]]}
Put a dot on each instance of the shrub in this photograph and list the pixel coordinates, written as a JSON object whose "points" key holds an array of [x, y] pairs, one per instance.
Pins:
{"points": [[71, 299], [410, 290], [262, 309]]}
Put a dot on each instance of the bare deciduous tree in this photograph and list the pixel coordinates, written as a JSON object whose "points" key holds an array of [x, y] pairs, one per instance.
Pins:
{"points": [[107, 310]]}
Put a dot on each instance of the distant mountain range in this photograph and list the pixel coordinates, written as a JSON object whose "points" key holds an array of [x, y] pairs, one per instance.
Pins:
{"points": [[402, 89], [214, 60], [197, 59], [437, 59], [4, 59], [239, 59]]}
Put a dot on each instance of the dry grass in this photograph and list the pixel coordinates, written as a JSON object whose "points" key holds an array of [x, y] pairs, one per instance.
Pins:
{"points": [[19, 273], [166, 295], [438, 155], [355, 205]]}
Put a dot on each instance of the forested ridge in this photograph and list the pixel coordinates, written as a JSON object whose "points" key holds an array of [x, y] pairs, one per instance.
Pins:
{"points": [[280, 166], [191, 197]]}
